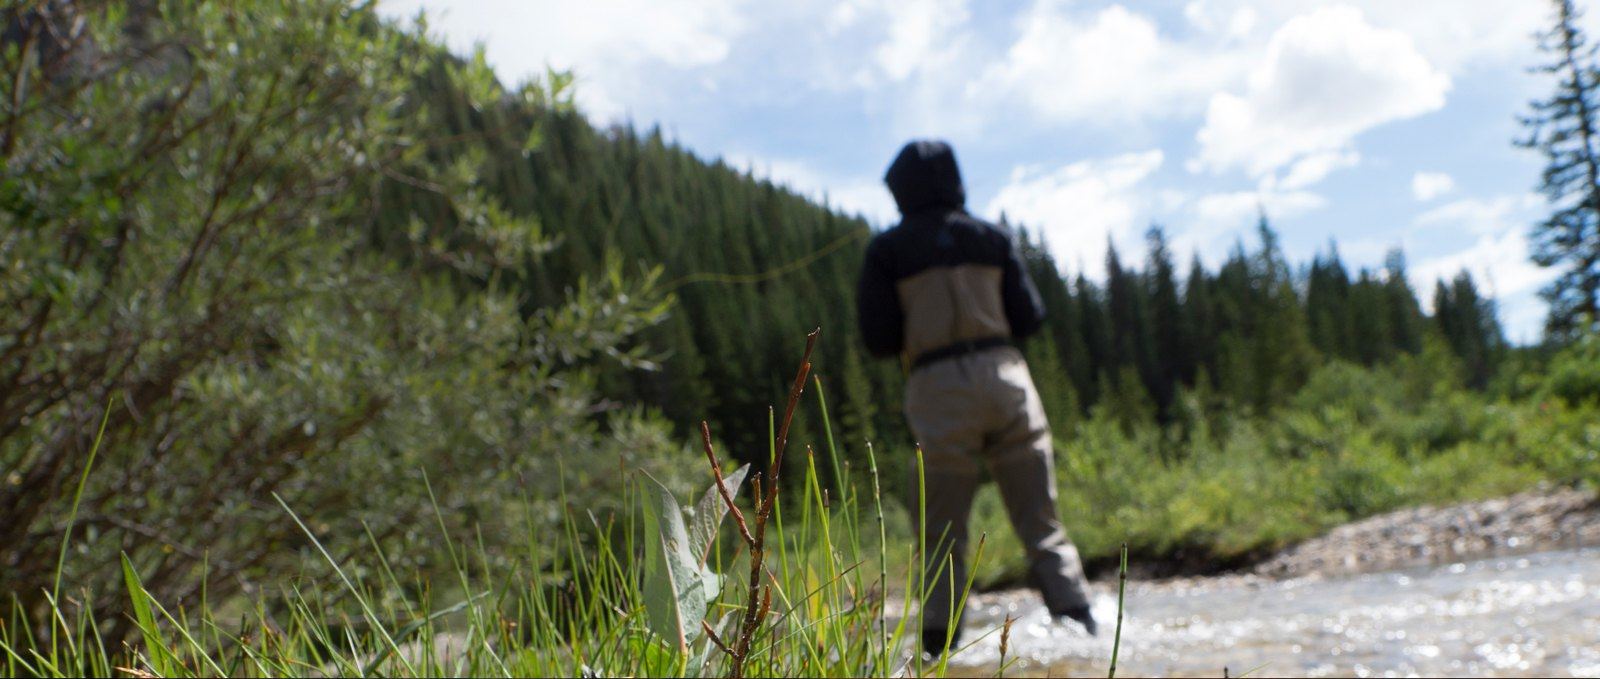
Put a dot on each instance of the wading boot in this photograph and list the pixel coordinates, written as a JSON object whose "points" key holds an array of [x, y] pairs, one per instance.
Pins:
{"points": [[1082, 616], [936, 641]]}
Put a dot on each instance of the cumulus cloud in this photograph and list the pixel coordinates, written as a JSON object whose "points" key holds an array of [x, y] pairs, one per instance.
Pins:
{"points": [[1452, 34], [856, 195], [1426, 186], [1228, 22], [1314, 168], [1498, 262], [1241, 208], [1106, 69], [1326, 76], [612, 46], [1497, 257], [908, 37], [1078, 207], [917, 28], [1214, 221]]}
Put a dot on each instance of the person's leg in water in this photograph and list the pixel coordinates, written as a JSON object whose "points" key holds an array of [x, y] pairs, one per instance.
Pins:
{"points": [[945, 421], [944, 566], [1021, 458]]}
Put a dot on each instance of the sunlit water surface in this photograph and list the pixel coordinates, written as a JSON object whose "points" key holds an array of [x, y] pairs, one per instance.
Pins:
{"points": [[1535, 614]]}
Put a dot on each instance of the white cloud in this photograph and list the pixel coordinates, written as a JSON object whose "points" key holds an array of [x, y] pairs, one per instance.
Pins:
{"points": [[908, 37], [1426, 186], [916, 30], [1452, 34], [1227, 22], [1326, 77], [1497, 258], [863, 196], [1499, 264], [1313, 168], [1482, 216], [611, 46], [1212, 222], [1080, 206], [1104, 69], [1241, 208]]}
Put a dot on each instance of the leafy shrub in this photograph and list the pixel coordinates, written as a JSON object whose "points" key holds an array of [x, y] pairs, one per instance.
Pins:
{"points": [[196, 253]]}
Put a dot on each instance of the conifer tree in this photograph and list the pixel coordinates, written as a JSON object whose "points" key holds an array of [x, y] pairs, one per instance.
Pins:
{"points": [[1467, 323], [1328, 306], [1564, 127], [1200, 320], [1172, 358]]}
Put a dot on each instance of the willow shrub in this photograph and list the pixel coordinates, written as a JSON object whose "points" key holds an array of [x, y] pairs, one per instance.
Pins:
{"points": [[189, 252]]}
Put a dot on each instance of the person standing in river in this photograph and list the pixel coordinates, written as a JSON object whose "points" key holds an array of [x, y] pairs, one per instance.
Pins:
{"points": [[947, 292]]}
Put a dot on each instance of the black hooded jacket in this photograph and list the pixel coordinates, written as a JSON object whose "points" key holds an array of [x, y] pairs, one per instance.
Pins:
{"points": [[939, 251]]}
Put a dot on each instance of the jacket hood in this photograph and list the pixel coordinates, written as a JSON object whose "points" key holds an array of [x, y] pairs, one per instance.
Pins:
{"points": [[925, 175]]}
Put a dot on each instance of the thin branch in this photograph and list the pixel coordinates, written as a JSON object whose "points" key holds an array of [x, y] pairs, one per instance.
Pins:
{"points": [[712, 635], [722, 489]]}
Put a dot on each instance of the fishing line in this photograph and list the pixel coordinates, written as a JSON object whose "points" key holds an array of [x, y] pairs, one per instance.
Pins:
{"points": [[770, 274]]}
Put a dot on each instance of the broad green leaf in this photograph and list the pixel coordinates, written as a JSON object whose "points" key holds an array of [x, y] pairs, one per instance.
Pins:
{"points": [[677, 588], [709, 511]]}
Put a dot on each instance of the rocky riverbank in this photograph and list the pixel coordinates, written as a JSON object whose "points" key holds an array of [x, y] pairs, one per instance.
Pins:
{"points": [[1532, 521], [1348, 602]]}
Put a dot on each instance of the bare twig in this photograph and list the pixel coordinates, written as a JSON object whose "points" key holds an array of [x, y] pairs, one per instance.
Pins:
{"points": [[722, 489], [758, 597], [712, 635]]}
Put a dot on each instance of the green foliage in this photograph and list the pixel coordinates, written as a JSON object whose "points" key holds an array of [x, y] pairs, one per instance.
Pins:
{"points": [[516, 617], [677, 584], [1563, 127], [1574, 373], [1352, 442], [198, 228], [160, 658]]}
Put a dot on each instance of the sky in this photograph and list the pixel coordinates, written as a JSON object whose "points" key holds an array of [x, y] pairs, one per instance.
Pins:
{"points": [[1373, 123]]}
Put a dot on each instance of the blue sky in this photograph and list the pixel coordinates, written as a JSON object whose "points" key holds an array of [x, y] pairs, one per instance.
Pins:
{"points": [[1378, 123]]}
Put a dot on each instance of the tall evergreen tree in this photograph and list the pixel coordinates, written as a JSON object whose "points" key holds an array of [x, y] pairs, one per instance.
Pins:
{"points": [[1172, 357], [1405, 315], [1128, 309], [1564, 127], [1467, 323], [1200, 321], [1283, 355], [1096, 337], [1328, 306]]}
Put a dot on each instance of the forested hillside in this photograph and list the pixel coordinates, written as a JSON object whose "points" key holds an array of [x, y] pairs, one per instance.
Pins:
{"points": [[754, 266]]}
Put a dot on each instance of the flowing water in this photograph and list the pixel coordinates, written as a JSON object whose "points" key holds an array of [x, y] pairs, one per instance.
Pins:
{"points": [[1536, 614]]}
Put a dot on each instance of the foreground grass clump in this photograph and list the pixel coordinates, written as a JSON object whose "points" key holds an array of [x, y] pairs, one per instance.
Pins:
{"points": [[651, 590]]}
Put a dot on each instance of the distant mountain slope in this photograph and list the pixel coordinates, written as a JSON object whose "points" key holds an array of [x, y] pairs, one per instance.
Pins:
{"points": [[755, 266]]}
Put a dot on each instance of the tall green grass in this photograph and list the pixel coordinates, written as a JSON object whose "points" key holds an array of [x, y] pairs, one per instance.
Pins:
{"points": [[571, 604]]}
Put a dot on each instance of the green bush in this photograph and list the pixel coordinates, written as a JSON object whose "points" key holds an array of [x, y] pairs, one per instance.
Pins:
{"points": [[1574, 373], [194, 249]]}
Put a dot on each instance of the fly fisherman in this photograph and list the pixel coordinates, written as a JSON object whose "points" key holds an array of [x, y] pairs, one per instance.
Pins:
{"points": [[947, 291]]}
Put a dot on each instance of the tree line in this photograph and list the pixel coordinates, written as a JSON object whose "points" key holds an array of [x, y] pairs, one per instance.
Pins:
{"points": [[1249, 331]]}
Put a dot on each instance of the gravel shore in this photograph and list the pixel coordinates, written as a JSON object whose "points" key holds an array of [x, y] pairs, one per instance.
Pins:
{"points": [[1533, 521]]}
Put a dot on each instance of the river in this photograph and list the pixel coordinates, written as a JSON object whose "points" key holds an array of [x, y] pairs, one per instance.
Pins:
{"points": [[1533, 614]]}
